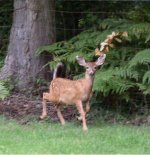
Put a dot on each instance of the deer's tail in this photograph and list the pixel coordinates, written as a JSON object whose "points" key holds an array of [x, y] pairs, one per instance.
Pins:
{"points": [[58, 70]]}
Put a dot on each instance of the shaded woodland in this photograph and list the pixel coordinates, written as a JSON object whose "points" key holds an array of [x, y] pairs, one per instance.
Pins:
{"points": [[59, 32]]}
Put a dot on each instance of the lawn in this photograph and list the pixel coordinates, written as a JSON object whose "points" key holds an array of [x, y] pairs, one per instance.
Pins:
{"points": [[49, 137]]}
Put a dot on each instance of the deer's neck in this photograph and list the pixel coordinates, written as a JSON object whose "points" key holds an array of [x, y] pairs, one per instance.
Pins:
{"points": [[89, 81]]}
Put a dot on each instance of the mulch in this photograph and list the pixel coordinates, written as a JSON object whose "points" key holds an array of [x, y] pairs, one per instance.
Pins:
{"points": [[26, 107], [23, 107]]}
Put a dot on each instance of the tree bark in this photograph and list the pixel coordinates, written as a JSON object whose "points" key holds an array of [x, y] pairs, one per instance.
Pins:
{"points": [[33, 26]]}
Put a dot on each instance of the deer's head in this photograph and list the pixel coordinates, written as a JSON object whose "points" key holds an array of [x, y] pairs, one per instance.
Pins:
{"points": [[91, 67]]}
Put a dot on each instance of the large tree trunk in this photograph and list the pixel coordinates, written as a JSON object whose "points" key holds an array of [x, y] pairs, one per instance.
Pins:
{"points": [[33, 26]]}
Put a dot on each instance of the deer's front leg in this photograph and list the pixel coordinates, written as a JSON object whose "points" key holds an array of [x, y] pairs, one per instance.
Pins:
{"points": [[87, 109], [82, 113]]}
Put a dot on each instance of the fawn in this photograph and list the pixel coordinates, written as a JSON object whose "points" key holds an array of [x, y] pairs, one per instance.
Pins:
{"points": [[69, 92]]}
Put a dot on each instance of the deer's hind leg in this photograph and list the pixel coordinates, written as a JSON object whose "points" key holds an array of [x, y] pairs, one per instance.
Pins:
{"points": [[60, 116], [44, 107]]}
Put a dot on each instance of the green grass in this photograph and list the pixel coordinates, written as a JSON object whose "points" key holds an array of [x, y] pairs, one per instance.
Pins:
{"points": [[48, 137]]}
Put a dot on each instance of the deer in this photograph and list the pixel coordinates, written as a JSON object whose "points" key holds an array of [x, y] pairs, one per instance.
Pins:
{"points": [[64, 91]]}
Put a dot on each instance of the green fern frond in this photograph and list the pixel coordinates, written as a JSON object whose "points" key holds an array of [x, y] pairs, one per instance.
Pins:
{"points": [[111, 23], [146, 78], [120, 85], [107, 81], [101, 81], [142, 57], [147, 38], [59, 46], [3, 91], [135, 30], [127, 73], [139, 28], [144, 88]]}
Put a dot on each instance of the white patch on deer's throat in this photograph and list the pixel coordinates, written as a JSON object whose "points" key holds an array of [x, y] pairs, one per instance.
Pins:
{"points": [[84, 98]]}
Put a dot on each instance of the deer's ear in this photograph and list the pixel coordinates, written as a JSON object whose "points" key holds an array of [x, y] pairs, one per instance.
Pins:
{"points": [[81, 61], [100, 60]]}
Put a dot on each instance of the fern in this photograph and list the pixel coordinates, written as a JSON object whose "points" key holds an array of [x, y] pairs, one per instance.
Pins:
{"points": [[109, 81], [141, 58], [3, 91], [111, 23], [144, 88], [125, 68], [127, 73], [146, 78]]}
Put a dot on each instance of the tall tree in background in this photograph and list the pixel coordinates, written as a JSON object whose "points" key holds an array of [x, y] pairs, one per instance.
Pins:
{"points": [[33, 26]]}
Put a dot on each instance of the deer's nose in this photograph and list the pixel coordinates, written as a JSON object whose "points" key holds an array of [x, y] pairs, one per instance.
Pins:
{"points": [[91, 72]]}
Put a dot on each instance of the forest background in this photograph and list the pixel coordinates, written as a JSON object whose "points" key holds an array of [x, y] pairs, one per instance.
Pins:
{"points": [[123, 83]]}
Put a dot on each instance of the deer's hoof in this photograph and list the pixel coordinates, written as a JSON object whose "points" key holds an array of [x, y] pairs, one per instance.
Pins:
{"points": [[62, 123], [85, 129], [43, 116], [79, 118]]}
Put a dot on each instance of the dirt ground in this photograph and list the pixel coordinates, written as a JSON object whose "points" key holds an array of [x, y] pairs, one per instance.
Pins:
{"points": [[25, 108]]}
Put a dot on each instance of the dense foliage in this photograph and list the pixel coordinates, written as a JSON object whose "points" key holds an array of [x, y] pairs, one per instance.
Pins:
{"points": [[124, 79], [126, 70]]}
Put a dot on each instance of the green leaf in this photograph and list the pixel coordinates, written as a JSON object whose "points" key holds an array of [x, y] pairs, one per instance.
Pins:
{"points": [[142, 57], [3, 91], [146, 78]]}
